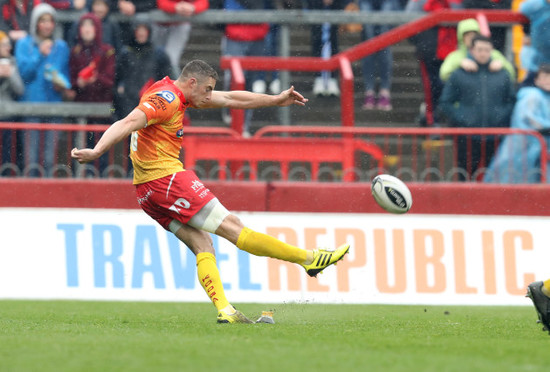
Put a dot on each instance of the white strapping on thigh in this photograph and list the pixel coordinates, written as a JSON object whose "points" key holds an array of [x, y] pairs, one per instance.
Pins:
{"points": [[175, 226], [210, 217]]}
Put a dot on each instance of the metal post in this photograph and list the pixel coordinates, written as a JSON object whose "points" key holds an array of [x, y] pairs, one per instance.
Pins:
{"points": [[284, 75]]}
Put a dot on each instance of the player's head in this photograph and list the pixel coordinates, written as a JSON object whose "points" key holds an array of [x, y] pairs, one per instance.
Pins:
{"points": [[199, 78], [199, 70]]}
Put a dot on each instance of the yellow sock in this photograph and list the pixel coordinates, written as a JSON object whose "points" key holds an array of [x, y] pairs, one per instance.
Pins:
{"points": [[260, 244], [209, 277], [546, 288]]}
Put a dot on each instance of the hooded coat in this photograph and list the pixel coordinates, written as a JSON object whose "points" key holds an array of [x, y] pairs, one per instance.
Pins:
{"points": [[453, 60], [538, 12], [138, 66], [518, 157], [98, 53], [32, 64]]}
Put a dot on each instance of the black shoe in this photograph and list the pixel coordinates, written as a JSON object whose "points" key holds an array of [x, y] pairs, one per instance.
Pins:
{"points": [[541, 302]]}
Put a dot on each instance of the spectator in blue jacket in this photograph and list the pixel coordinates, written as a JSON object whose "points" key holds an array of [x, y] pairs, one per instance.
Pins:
{"points": [[536, 48], [44, 66], [518, 157], [477, 99]]}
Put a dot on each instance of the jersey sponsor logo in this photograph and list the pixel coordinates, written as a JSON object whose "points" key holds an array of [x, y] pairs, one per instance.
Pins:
{"points": [[167, 95], [179, 133], [158, 102]]}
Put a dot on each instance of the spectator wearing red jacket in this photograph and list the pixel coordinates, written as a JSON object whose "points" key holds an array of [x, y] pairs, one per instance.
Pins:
{"points": [[173, 37], [92, 63], [92, 71]]}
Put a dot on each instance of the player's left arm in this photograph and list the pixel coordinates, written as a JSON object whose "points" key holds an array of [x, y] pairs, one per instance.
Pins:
{"points": [[239, 99], [120, 130]]}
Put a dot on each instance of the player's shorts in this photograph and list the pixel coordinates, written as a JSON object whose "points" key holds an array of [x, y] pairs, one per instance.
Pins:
{"points": [[179, 197]]}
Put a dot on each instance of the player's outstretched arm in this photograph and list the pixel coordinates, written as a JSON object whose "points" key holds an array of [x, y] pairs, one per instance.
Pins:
{"points": [[240, 99], [115, 133]]}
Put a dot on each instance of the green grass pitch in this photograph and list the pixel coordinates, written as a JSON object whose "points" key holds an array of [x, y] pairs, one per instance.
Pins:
{"points": [[129, 336]]}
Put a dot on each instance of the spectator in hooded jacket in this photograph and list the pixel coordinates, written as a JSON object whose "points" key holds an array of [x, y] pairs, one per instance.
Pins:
{"points": [[139, 65], [11, 87], [43, 62], [518, 157], [110, 29], [538, 39], [498, 33], [477, 99], [92, 63], [131, 8], [465, 32], [92, 69]]}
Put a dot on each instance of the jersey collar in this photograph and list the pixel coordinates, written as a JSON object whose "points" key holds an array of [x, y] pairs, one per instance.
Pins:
{"points": [[183, 101]]}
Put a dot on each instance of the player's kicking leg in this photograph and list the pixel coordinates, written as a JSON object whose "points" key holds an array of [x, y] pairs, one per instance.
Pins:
{"points": [[538, 293], [200, 243], [260, 244]]}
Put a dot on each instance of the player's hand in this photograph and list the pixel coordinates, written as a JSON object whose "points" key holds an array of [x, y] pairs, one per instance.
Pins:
{"points": [[291, 97], [84, 155]]}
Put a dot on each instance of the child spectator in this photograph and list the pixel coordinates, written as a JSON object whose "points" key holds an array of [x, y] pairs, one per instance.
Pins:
{"points": [[498, 33], [43, 62], [465, 32]]}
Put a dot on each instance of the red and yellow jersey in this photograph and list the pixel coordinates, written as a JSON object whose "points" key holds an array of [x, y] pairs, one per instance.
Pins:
{"points": [[155, 149]]}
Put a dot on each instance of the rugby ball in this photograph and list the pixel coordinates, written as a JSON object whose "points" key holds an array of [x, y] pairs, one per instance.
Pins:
{"points": [[391, 193]]}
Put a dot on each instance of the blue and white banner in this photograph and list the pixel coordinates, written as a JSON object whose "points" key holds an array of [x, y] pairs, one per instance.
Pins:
{"points": [[407, 259]]}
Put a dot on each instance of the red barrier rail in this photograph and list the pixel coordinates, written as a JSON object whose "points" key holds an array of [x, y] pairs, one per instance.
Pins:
{"points": [[314, 153], [115, 163], [342, 60], [409, 143]]}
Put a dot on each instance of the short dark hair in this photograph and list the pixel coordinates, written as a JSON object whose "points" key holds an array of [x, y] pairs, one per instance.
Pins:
{"points": [[198, 69], [543, 68], [481, 38]]}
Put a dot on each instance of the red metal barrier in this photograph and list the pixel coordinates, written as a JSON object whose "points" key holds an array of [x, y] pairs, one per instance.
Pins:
{"points": [[281, 150], [116, 164], [421, 148], [360, 51], [313, 153]]}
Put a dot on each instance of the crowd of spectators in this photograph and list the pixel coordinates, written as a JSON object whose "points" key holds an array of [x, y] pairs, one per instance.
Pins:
{"points": [[99, 59]]}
